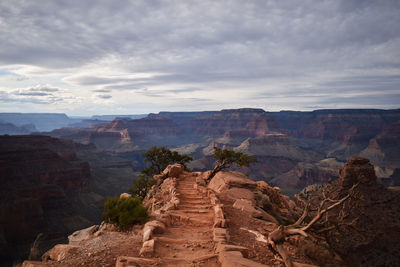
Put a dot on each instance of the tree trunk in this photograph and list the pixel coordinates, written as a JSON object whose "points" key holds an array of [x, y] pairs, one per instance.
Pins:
{"points": [[217, 168]]}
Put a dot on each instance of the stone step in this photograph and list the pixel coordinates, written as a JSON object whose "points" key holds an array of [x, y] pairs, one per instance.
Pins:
{"points": [[184, 219], [186, 202], [196, 210], [184, 196], [209, 260], [195, 206], [190, 193]]}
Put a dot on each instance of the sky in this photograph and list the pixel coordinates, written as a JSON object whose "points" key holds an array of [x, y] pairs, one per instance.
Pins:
{"points": [[133, 57]]}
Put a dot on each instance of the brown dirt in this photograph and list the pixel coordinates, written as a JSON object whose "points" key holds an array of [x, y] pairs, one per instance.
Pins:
{"points": [[104, 250]]}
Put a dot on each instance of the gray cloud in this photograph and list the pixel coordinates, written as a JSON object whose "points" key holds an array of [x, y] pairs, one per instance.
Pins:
{"points": [[104, 96], [36, 91], [346, 46], [37, 95], [102, 91]]}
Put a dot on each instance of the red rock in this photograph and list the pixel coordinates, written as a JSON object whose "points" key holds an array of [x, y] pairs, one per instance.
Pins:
{"points": [[357, 170], [147, 248], [225, 180], [81, 235], [235, 258], [173, 170], [60, 252]]}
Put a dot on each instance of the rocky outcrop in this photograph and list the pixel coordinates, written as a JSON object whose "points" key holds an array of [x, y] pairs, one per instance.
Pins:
{"points": [[305, 174], [38, 175], [48, 191], [367, 226]]}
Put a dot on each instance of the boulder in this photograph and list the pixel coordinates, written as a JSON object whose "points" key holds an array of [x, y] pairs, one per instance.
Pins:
{"points": [[173, 170], [225, 247], [151, 227], [60, 252], [158, 226], [236, 193], [84, 234], [147, 249], [247, 206], [224, 180]]}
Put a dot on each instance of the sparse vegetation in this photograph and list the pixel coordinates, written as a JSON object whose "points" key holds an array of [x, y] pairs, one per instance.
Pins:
{"points": [[158, 158], [124, 212], [226, 157], [141, 186]]}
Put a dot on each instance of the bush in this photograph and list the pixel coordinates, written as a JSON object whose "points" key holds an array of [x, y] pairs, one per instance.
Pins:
{"points": [[124, 212]]}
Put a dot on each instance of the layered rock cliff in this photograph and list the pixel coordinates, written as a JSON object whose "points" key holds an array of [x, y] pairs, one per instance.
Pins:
{"points": [[52, 187], [280, 140]]}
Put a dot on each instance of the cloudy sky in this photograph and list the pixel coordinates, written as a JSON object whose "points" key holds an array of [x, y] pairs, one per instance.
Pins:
{"points": [[129, 57]]}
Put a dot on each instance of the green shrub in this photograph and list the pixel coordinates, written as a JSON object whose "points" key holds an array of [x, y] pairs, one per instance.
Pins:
{"points": [[124, 212]]}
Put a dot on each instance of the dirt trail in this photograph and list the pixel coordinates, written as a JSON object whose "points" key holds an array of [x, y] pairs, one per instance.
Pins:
{"points": [[189, 240]]}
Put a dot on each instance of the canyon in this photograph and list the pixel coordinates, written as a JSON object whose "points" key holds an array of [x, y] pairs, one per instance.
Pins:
{"points": [[294, 149], [56, 182]]}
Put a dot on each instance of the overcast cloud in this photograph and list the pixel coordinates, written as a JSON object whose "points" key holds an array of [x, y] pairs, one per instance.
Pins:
{"points": [[91, 57]]}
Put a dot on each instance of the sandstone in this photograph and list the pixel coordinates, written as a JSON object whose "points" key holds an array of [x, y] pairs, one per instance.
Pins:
{"points": [[106, 227], [225, 247], [84, 234], [200, 181], [147, 232], [220, 235], [60, 252], [147, 248], [357, 170], [235, 193], [158, 227], [173, 170], [247, 206], [33, 264], [124, 261], [224, 180], [235, 259]]}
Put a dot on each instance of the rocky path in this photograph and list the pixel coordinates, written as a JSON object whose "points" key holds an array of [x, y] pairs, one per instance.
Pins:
{"points": [[189, 240]]}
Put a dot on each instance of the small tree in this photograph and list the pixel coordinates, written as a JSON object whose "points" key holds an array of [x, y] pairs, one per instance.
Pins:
{"points": [[124, 212], [159, 158], [226, 157]]}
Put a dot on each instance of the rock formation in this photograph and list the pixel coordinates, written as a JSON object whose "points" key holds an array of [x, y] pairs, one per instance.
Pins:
{"points": [[365, 230], [284, 142], [50, 188]]}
